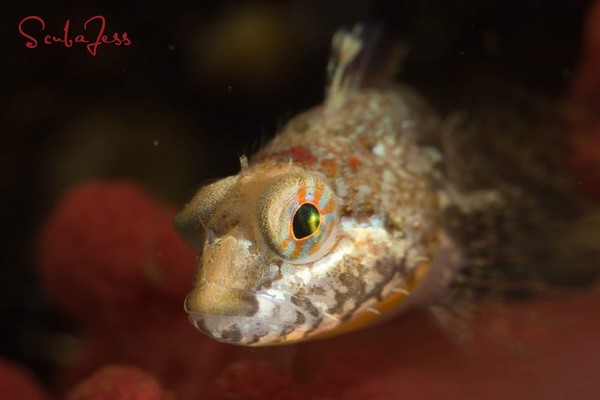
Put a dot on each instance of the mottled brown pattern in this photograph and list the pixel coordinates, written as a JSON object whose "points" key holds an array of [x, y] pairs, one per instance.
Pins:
{"points": [[305, 305], [233, 334], [364, 151]]}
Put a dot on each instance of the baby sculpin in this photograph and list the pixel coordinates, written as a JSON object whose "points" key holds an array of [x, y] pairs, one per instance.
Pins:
{"points": [[331, 225]]}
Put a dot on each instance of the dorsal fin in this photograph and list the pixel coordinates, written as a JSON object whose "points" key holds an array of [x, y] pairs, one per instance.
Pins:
{"points": [[346, 65], [354, 64]]}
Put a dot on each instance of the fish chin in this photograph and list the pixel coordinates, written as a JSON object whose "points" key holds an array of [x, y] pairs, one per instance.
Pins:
{"points": [[277, 320], [238, 330]]}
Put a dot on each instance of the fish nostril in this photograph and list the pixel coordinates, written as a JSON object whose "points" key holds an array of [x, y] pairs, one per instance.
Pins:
{"points": [[210, 237]]}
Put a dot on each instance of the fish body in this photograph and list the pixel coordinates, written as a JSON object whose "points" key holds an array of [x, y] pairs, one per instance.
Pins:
{"points": [[347, 217], [362, 171], [330, 226]]}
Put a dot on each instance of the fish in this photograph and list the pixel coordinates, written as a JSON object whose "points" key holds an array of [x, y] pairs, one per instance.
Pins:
{"points": [[345, 219]]}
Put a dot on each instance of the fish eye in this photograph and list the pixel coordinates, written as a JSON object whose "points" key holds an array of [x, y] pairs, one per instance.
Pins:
{"points": [[298, 216], [306, 221]]}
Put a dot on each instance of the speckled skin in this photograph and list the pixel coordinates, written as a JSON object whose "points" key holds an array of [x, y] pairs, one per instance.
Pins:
{"points": [[369, 153]]}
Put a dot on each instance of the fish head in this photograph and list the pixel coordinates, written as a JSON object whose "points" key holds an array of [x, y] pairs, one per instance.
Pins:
{"points": [[259, 235]]}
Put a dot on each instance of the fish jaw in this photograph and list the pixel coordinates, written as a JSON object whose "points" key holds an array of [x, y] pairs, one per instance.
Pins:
{"points": [[235, 299]]}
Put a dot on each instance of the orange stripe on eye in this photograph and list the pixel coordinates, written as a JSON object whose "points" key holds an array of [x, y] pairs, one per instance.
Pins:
{"points": [[283, 245], [328, 207], [297, 250], [317, 198], [302, 194], [315, 247]]}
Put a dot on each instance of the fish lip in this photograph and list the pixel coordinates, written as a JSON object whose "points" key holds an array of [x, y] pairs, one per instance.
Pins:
{"points": [[217, 299]]}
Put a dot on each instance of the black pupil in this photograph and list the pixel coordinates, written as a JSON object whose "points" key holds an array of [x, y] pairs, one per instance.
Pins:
{"points": [[306, 221]]}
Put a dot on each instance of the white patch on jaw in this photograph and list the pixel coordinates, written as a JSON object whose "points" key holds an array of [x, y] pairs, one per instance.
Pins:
{"points": [[287, 270], [287, 311], [301, 277], [324, 265], [265, 304], [349, 225]]}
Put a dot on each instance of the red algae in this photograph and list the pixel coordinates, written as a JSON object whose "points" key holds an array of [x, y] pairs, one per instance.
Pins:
{"points": [[110, 258], [249, 380], [120, 383], [109, 248], [17, 383]]}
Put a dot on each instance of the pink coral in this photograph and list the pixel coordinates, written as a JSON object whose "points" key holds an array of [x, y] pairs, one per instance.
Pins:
{"points": [[18, 383], [120, 383], [110, 257], [249, 380], [107, 249]]}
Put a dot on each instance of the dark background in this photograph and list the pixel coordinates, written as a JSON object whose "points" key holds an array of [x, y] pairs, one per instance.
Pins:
{"points": [[203, 83]]}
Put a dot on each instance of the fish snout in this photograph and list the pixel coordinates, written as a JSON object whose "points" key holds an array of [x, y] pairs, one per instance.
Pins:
{"points": [[226, 278]]}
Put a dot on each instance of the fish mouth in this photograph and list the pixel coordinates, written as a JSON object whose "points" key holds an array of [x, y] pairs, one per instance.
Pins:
{"points": [[248, 318]]}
